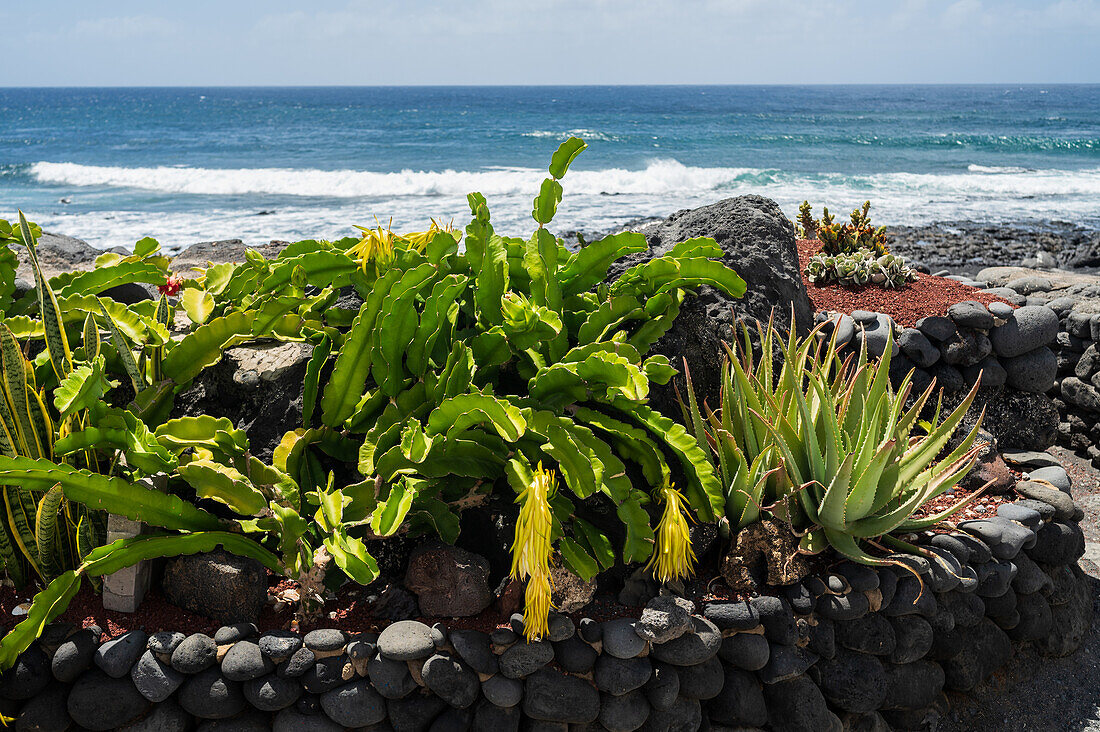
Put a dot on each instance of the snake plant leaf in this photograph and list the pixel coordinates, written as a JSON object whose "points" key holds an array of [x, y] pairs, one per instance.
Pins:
{"points": [[90, 338], [124, 352], [20, 508], [82, 388], [10, 562], [22, 436], [564, 156], [46, 528], [588, 266], [112, 494], [57, 343]]}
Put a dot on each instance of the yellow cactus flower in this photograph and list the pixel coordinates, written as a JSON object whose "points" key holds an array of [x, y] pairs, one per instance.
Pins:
{"points": [[419, 240], [376, 247], [673, 557], [531, 551]]}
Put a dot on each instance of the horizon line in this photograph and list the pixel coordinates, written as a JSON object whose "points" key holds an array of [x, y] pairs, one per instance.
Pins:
{"points": [[552, 86]]}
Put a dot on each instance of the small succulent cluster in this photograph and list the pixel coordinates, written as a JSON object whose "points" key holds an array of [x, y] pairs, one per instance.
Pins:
{"points": [[860, 268], [846, 238]]}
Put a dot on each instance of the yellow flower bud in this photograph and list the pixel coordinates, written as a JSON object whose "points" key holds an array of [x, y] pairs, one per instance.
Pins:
{"points": [[673, 557], [531, 551]]}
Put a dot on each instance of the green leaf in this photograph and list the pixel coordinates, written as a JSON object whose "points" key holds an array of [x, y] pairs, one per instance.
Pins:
{"points": [[46, 530], [458, 413], [317, 360], [225, 485], [587, 267], [85, 386], [389, 516], [115, 495], [124, 352], [577, 559], [564, 156], [546, 203], [198, 304]]}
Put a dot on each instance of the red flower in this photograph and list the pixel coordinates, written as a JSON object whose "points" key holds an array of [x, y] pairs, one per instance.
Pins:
{"points": [[172, 286]]}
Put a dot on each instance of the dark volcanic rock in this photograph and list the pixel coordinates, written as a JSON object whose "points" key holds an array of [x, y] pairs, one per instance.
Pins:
{"points": [[258, 387], [221, 586], [759, 244], [555, 697], [449, 582], [796, 705]]}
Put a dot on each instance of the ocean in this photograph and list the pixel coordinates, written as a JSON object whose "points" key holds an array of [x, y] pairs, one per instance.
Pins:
{"points": [[190, 164]]}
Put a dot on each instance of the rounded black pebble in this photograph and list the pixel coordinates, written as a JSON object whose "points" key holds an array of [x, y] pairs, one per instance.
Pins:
{"points": [[74, 656], [155, 680], [46, 711], [209, 695], [354, 705], [117, 656], [100, 702], [233, 633], [747, 651], [197, 652], [28, 676], [272, 693], [325, 639]]}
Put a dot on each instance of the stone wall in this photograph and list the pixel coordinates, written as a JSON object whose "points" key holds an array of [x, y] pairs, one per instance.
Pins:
{"points": [[849, 650]]}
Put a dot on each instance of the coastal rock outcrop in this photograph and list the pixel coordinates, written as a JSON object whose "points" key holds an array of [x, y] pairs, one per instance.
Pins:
{"points": [[759, 244]]}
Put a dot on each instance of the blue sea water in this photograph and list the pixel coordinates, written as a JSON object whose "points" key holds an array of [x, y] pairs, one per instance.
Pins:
{"points": [[192, 164]]}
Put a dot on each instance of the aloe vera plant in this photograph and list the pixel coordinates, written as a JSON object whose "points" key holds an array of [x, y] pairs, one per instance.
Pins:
{"points": [[852, 469]]}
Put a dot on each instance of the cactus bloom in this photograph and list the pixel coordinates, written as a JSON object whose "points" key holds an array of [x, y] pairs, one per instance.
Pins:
{"points": [[531, 551], [376, 246], [171, 286], [673, 557]]}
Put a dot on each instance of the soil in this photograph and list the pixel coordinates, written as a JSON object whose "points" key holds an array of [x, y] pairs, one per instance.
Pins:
{"points": [[927, 296]]}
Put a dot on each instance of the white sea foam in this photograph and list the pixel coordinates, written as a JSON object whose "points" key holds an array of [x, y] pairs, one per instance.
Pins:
{"points": [[660, 176], [586, 134], [309, 203]]}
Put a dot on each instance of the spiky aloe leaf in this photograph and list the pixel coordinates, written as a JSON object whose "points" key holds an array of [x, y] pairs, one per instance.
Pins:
{"points": [[115, 495]]}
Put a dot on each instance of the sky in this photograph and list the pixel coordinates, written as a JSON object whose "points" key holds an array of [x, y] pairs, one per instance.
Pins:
{"points": [[370, 42]]}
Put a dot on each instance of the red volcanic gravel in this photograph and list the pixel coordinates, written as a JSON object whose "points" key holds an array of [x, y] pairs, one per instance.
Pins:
{"points": [[927, 296], [981, 508]]}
